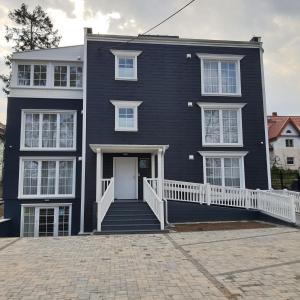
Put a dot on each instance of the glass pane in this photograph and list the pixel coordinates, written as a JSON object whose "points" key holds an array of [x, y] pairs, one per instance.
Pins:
{"points": [[63, 220], [65, 186], [29, 220], [213, 171], [66, 134], [60, 76], [232, 172], [48, 177], [39, 75], [46, 222], [75, 76], [24, 74], [126, 67], [210, 72], [30, 175], [31, 130], [212, 126], [228, 77], [230, 126], [126, 117], [49, 127]]}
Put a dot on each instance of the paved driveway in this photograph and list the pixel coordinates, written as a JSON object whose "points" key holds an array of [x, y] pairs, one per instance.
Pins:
{"points": [[240, 264]]}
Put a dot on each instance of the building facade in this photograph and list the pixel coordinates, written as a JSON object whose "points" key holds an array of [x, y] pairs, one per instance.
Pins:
{"points": [[128, 108], [284, 141]]}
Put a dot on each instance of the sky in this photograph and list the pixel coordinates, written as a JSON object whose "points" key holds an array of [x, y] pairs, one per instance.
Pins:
{"points": [[276, 21]]}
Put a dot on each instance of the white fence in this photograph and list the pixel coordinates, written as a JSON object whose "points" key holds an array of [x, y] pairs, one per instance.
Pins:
{"points": [[155, 203], [295, 195], [274, 204], [108, 195]]}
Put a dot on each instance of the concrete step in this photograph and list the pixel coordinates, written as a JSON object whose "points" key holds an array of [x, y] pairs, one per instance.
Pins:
{"points": [[130, 227], [125, 222]]}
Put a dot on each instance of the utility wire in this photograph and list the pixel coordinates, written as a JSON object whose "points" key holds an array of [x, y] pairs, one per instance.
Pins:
{"points": [[165, 20]]}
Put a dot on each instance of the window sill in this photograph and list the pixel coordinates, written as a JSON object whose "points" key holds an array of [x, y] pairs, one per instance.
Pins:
{"points": [[222, 145], [48, 149], [46, 87], [221, 95], [50, 197], [126, 79], [126, 129]]}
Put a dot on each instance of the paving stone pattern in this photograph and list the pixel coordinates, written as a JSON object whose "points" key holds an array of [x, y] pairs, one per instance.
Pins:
{"points": [[237, 264]]}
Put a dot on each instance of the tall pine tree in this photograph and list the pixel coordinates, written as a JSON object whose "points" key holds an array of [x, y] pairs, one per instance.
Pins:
{"points": [[33, 30]]}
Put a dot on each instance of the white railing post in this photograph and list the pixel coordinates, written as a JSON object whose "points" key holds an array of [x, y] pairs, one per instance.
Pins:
{"points": [[293, 208], [208, 194], [159, 173], [99, 176]]}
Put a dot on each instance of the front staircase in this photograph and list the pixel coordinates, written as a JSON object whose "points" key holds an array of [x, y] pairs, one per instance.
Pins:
{"points": [[130, 216]]}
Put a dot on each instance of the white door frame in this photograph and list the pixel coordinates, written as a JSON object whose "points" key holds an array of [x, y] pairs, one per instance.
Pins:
{"points": [[136, 171], [37, 208]]}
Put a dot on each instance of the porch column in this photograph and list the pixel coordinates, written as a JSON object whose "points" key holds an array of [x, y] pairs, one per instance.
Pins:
{"points": [[159, 172], [152, 165], [99, 175]]}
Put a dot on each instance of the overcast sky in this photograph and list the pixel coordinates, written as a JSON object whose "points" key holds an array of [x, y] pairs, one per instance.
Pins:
{"points": [[277, 21]]}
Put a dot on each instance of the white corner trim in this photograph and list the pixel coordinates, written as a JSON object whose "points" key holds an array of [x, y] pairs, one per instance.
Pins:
{"points": [[219, 105], [220, 56], [223, 153], [133, 53]]}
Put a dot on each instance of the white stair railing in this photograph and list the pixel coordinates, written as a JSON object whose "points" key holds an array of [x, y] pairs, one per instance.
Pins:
{"points": [[277, 205], [156, 204], [295, 195], [153, 183], [107, 198]]}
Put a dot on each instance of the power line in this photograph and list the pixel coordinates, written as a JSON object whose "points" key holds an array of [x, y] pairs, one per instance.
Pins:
{"points": [[165, 20]]}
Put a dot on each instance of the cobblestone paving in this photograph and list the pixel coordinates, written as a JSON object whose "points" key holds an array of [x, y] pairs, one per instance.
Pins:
{"points": [[239, 264]]}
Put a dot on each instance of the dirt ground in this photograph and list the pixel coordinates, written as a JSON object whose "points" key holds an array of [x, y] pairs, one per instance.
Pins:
{"points": [[221, 226]]}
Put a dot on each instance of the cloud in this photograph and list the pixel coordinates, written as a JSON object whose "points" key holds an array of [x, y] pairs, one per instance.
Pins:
{"points": [[278, 22]]}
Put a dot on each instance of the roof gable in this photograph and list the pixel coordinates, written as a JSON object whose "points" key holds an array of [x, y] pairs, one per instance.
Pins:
{"points": [[277, 124]]}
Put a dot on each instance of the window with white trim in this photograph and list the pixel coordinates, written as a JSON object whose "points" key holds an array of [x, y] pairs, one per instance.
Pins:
{"points": [[220, 74], [24, 73], [42, 178], [221, 124], [46, 220], [290, 160], [76, 76], [223, 169], [126, 64], [39, 75], [126, 118], [289, 143], [48, 130], [60, 76]]}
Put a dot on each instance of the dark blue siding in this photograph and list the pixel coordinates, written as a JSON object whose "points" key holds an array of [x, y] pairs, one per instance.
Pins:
{"points": [[167, 80], [12, 154]]}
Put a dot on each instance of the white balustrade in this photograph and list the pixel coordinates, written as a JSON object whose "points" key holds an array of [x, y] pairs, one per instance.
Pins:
{"points": [[108, 195], [277, 205], [293, 194], [156, 204]]}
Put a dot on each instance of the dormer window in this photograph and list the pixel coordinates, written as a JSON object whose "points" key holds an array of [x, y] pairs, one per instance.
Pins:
{"points": [[126, 64], [24, 74], [220, 75], [39, 75]]}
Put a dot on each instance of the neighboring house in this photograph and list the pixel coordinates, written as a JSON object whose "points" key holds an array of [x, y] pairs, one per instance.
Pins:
{"points": [[284, 141], [2, 142], [129, 107]]}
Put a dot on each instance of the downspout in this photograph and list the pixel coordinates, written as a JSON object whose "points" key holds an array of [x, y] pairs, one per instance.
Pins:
{"points": [[82, 202]]}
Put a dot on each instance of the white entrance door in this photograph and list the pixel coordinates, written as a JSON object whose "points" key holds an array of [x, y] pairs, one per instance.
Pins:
{"points": [[125, 174]]}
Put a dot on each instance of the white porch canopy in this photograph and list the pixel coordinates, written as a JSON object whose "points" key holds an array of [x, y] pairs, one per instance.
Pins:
{"points": [[158, 150]]}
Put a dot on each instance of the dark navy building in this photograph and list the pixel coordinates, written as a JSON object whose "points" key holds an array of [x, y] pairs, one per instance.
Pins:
{"points": [[86, 125]]}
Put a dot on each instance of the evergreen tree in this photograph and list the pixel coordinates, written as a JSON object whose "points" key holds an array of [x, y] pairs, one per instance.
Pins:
{"points": [[33, 30]]}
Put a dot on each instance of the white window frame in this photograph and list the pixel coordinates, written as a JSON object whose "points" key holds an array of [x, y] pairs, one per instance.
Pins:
{"points": [[39, 195], [31, 75], [287, 160], [225, 154], [40, 148], [37, 207], [220, 58], [126, 104], [50, 74], [126, 53], [222, 106], [287, 141]]}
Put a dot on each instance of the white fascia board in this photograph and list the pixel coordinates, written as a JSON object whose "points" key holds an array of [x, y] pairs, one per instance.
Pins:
{"points": [[220, 56], [223, 153], [117, 148], [125, 52], [172, 41], [219, 105], [119, 103], [71, 53]]}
